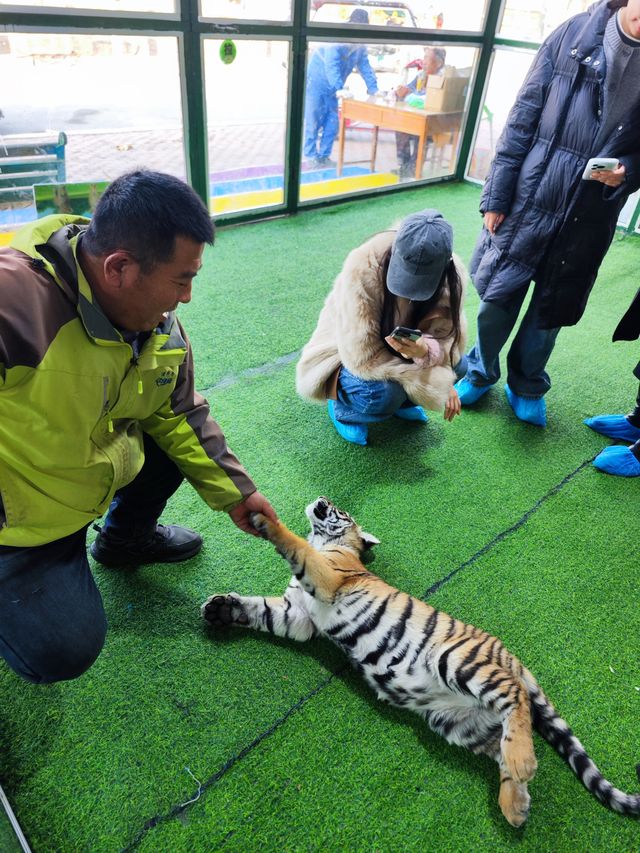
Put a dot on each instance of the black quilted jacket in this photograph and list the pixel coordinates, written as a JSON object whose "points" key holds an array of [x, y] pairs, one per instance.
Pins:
{"points": [[557, 227]]}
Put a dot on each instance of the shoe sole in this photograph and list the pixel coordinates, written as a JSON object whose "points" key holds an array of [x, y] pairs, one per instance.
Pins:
{"points": [[113, 559]]}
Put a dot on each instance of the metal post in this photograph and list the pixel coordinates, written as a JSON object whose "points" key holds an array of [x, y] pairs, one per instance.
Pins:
{"points": [[193, 100], [475, 104]]}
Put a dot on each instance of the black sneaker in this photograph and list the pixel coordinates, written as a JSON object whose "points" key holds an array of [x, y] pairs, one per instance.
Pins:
{"points": [[168, 544]]}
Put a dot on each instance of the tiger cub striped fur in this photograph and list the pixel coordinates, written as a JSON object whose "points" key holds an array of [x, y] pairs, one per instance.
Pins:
{"points": [[463, 681]]}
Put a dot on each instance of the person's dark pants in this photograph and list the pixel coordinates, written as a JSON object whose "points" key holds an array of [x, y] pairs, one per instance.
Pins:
{"points": [[634, 417], [52, 620], [406, 150], [135, 509], [530, 349]]}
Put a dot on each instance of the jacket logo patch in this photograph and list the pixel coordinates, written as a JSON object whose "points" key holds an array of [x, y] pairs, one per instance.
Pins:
{"points": [[165, 378]]}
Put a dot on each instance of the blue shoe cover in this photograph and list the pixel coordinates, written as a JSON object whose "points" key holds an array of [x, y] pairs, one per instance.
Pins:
{"points": [[528, 409], [412, 413], [618, 460], [615, 426], [354, 433], [468, 392]]}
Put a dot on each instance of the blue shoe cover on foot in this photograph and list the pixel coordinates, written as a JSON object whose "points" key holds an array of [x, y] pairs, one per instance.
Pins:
{"points": [[615, 426], [528, 409], [412, 413], [354, 433], [618, 460], [468, 392]]}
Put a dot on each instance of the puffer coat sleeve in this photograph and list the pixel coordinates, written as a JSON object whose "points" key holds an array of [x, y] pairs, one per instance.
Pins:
{"points": [[517, 137]]}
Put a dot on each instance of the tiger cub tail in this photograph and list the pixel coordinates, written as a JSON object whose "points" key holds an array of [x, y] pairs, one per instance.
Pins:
{"points": [[548, 723]]}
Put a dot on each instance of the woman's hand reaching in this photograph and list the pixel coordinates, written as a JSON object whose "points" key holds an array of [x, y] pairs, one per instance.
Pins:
{"points": [[453, 406]]}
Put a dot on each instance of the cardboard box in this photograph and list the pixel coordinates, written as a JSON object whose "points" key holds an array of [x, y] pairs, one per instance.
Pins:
{"points": [[445, 93]]}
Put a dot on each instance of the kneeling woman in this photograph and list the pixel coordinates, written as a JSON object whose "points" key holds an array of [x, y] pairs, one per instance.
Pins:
{"points": [[409, 278]]}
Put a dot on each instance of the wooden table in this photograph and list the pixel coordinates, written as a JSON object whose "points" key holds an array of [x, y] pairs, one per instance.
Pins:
{"points": [[400, 117]]}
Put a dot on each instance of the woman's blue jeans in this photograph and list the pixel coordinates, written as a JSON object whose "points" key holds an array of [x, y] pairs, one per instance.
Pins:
{"points": [[371, 401]]}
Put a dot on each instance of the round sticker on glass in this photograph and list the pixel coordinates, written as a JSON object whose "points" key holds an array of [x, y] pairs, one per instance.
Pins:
{"points": [[228, 51]]}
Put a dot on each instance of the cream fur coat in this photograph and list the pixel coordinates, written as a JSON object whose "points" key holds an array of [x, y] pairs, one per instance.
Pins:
{"points": [[348, 333]]}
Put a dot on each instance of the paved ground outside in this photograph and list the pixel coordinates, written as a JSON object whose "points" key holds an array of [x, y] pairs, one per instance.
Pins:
{"points": [[246, 164]]}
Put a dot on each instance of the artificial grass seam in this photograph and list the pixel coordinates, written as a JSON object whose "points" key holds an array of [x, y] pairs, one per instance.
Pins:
{"points": [[177, 810], [262, 370], [503, 535], [180, 809]]}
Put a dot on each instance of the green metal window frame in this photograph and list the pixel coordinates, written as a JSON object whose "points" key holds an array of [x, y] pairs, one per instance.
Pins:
{"points": [[191, 30]]}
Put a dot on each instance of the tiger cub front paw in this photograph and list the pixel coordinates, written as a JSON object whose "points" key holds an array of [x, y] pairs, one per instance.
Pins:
{"points": [[220, 611], [261, 524]]}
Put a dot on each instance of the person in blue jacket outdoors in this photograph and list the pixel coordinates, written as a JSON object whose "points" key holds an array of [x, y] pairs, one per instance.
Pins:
{"points": [[99, 414], [622, 460], [542, 221], [407, 143], [329, 67]]}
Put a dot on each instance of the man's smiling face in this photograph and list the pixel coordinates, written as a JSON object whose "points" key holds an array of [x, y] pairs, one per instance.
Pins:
{"points": [[152, 295]]}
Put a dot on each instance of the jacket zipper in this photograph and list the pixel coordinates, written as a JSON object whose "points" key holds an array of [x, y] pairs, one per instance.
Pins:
{"points": [[105, 402]]}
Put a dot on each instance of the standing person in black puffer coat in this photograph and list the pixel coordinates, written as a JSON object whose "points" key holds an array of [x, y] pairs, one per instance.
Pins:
{"points": [[542, 221], [622, 460]]}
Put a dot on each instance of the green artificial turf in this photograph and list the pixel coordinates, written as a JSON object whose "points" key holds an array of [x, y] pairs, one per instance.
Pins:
{"points": [[179, 739]]}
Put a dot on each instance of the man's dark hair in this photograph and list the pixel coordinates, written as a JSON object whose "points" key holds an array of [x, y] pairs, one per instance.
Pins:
{"points": [[143, 212]]}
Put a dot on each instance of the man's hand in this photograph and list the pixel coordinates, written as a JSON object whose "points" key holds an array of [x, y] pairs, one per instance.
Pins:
{"points": [[240, 515], [402, 92], [493, 220], [453, 406], [610, 177]]}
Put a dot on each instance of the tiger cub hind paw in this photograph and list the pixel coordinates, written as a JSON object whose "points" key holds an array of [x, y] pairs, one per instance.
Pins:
{"points": [[221, 611], [514, 802]]}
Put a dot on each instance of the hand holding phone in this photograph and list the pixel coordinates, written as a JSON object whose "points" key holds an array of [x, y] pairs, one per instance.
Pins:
{"points": [[403, 332], [599, 164]]}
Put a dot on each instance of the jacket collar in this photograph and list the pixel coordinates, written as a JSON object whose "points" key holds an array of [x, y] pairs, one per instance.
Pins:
{"points": [[587, 47]]}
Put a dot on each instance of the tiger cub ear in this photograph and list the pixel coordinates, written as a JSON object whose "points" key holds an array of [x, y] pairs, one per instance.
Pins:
{"points": [[369, 540]]}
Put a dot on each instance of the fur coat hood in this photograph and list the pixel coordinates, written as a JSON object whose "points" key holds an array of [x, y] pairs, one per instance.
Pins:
{"points": [[348, 333]]}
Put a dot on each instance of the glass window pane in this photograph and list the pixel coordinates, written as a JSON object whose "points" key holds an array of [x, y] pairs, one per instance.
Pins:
{"points": [[409, 129], [508, 71], [155, 6], [628, 211], [533, 20], [88, 123], [464, 15], [243, 10], [246, 123]]}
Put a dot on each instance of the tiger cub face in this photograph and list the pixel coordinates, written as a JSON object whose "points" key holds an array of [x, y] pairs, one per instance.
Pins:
{"points": [[333, 526]]}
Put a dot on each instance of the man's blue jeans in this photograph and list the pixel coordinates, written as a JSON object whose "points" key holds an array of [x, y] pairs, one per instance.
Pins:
{"points": [[52, 620], [529, 352], [371, 401]]}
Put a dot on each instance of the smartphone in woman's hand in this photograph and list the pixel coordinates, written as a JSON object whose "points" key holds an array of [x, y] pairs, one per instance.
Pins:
{"points": [[403, 332]]}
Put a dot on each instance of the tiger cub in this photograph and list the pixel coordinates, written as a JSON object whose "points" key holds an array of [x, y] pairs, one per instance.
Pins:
{"points": [[463, 681]]}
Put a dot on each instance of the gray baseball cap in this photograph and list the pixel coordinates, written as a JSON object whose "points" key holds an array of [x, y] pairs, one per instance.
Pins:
{"points": [[419, 256]]}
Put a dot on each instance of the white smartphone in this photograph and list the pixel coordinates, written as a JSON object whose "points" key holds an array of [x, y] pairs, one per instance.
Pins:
{"points": [[599, 164]]}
